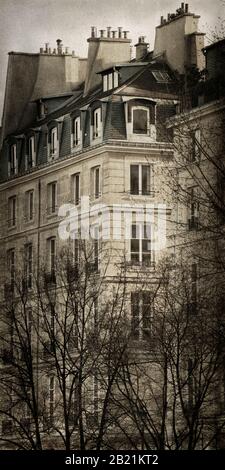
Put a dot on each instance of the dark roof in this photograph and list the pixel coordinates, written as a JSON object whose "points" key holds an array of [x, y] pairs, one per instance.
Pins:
{"points": [[216, 44]]}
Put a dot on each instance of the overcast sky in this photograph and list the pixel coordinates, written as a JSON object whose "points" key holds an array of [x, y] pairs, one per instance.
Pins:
{"points": [[25, 25]]}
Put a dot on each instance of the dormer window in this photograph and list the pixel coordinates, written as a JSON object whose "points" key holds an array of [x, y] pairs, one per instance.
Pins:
{"points": [[110, 80], [161, 76], [53, 143], [97, 124], [13, 162], [140, 120], [31, 155], [76, 132]]}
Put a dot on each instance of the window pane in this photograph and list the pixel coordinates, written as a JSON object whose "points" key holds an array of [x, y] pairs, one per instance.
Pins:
{"points": [[140, 117], [135, 315], [135, 245], [134, 179], [145, 179]]}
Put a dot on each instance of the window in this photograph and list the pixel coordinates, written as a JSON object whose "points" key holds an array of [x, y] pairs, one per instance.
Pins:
{"points": [[95, 176], [196, 143], [140, 176], [141, 315], [110, 80], [76, 134], [52, 254], [76, 188], [193, 293], [12, 211], [29, 205], [52, 198], [53, 142], [13, 164], [31, 152], [140, 244], [76, 248], [193, 217], [11, 266], [28, 264], [51, 398], [140, 120], [97, 125], [161, 76]]}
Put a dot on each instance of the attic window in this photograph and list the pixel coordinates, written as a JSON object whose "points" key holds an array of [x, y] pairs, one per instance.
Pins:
{"points": [[110, 80], [160, 76]]}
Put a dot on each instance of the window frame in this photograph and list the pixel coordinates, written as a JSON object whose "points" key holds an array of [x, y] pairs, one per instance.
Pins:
{"points": [[139, 241], [12, 211], [141, 324], [29, 205], [76, 189], [13, 160], [96, 191], [147, 110], [52, 197], [76, 132], [97, 124], [31, 152], [28, 264], [140, 191]]}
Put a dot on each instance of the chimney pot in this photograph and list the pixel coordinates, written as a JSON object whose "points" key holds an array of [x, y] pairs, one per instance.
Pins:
{"points": [[182, 6], [54, 51], [108, 31], [186, 7], [102, 33], [46, 47], [114, 34], [161, 20], [120, 31], [49, 50], [41, 50], [93, 31], [125, 33], [168, 17], [66, 50]]}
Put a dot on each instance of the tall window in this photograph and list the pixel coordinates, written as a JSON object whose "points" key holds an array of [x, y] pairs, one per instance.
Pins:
{"points": [[95, 176], [52, 255], [53, 136], [29, 205], [52, 197], [140, 179], [141, 315], [193, 293], [13, 162], [140, 244], [51, 398], [196, 143], [76, 188], [193, 216], [12, 211], [97, 124], [11, 266], [28, 264], [76, 134], [140, 117], [31, 152]]}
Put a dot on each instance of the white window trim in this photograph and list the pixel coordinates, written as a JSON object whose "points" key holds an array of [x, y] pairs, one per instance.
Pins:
{"points": [[151, 182], [76, 146], [32, 157], [12, 211], [150, 136], [94, 194], [50, 199], [140, 251], [53, 153], [95, 139], [27, 211], [74, 188], [13, 156], [140, 330]]}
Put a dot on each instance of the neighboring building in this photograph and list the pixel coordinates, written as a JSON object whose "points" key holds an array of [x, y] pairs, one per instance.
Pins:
{"points": [[96, 133]]}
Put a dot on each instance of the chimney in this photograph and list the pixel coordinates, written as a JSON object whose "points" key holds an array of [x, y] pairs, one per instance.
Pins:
{"points": [[59, 46], [179, 40], [46, 47], [41, 50], [107, 49], [161, 20], [141, 48]]}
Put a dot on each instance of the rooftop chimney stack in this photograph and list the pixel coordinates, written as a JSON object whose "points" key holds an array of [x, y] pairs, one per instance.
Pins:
{"points": [[102, 33], [141, 48], [108, 31], [120, 32], [179, 40], [114, 34], [59, 46], [125, 33], [93, 32], [46, 47]]}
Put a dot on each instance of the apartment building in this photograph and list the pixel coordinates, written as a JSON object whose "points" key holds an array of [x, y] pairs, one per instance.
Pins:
{"points": [[91, 146]]}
